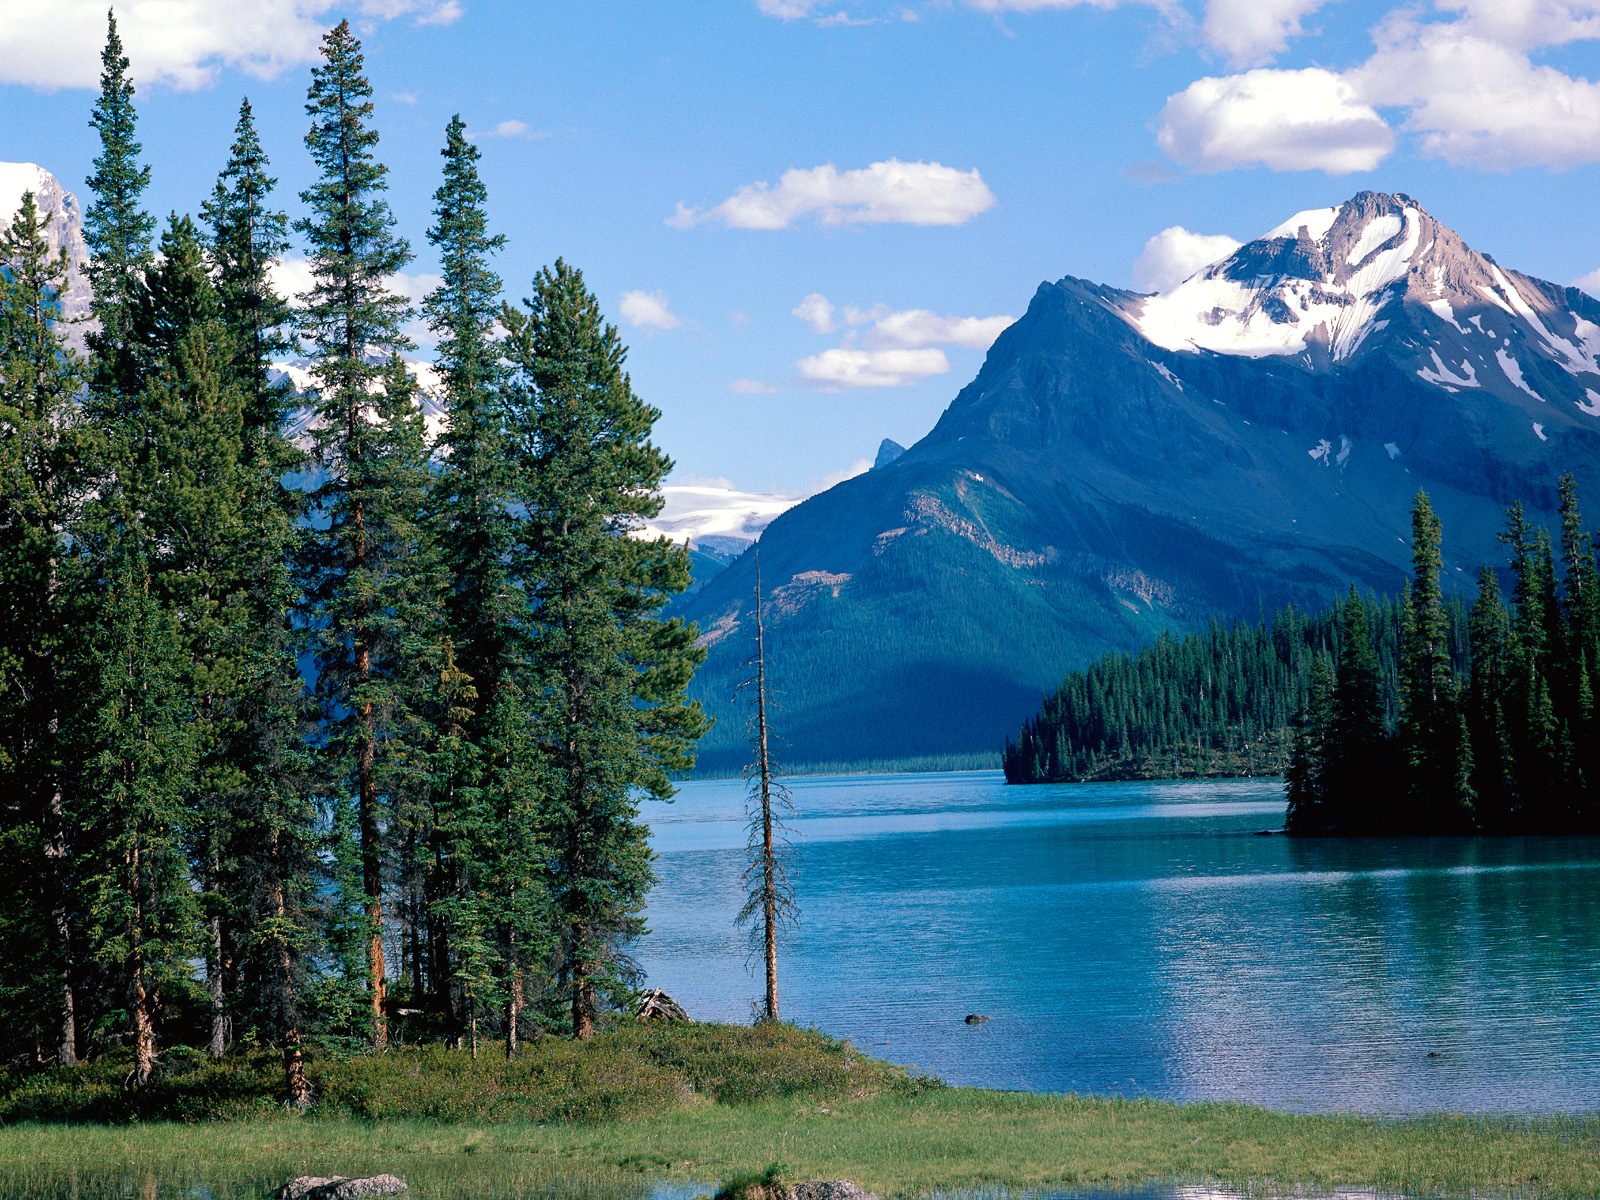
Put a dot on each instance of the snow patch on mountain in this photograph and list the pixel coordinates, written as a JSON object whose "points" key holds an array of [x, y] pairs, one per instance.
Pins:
{"points": [[1513, 372], [1445, 377], [1315, 221]]}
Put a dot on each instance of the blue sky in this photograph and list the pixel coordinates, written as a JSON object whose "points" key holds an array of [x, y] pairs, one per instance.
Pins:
{"points": [[1019, 141]]}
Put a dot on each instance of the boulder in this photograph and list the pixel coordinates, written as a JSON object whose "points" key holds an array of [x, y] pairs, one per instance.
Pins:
{"points": [[333, 1187], [976, 1019]]}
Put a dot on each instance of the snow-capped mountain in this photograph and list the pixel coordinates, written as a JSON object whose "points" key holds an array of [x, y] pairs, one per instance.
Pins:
{"points": [[1128, 463], [65, 231], [1321, 284]]}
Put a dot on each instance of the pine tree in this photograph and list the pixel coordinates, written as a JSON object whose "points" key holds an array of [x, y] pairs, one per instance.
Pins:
{"points": [[1305, 783], [363, 570], [247, 235], [611, 713], [1494, 769], [1432, 741], [269, 868], [116, 227], [1357, 753], [39, 486], [138, 753]]}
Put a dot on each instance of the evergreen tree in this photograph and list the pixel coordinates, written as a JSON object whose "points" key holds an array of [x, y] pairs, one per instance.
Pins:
{"points": [[247, 235], [269, 861], [39, 486], [1311, 809], [611, 714], [1436, 754], [487, 835], [1494, 771], [363, 570], [1357, 752], [116, 227], [138, 754]]}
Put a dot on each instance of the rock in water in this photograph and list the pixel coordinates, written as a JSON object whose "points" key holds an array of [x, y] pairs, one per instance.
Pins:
{"points": [[976, 1019], [333, 1187], [830, 1189]]}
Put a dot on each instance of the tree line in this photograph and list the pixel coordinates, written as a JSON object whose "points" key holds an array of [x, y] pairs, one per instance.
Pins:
{"points": [[1216, 703], [1501, 739], [338, 737]]}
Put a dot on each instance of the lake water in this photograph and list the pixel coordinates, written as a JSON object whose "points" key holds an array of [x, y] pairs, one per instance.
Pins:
{"points": [[1144, 940]]}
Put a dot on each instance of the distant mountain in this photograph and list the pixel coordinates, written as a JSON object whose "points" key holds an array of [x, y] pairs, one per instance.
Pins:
{"points": [[1125, 463], [888, 451], [65, 231]]}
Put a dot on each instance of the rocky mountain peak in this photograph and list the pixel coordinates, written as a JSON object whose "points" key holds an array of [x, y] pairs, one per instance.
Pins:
{"points": [[65, 231]]}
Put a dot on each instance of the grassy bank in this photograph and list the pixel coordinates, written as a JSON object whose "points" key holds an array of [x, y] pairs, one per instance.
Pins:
{"points": [[724, 1102]]}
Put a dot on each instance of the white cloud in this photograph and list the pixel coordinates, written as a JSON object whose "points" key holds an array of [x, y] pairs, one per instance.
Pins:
{"points": [[1305, 120], [1589, 283], [920, 327], [1251, 32], [851, 368], [1004, 6], [182, 44], [648, 310], [751, 387], [908, 193], [816, 311], [1176, 253], [1473, 94], [512, 128]]}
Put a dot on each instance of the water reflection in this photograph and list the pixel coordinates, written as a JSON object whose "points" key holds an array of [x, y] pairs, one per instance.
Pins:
{"points": [[1143, 940]]}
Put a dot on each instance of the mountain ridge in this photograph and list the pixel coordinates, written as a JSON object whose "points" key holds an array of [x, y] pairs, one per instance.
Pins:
{"points": [[1126, 463]]}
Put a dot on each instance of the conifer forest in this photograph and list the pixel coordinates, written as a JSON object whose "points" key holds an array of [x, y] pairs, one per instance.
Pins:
{"points": [[328, 731]]}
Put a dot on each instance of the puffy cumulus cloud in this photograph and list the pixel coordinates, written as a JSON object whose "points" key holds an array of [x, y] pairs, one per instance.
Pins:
{"points": [[751, 387], [1474, 96], [816, 311], [860, 467], [1306, 120], [180, 43], [1252, 32], [1176, 253], [1528, 24], [889, 192], [920, 327], [845, 367], [648, 310], [1589, 283]]}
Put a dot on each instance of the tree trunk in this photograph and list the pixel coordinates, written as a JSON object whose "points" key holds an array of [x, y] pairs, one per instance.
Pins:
{"points": [[141, 1008], [769, 866], [583, 999], [61, 926], [371, 860], [214, 964], [296, 1091]]}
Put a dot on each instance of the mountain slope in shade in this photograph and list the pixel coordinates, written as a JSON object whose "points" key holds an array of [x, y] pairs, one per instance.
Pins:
{"points": [[65, 232], [1124, 464]]}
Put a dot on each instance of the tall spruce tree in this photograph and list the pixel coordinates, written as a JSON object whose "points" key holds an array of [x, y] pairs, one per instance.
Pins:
{"points": [[116, 228], [1357, 767], [487, 831], [1310, 807], [363, 569], [612, 717], [269, 870], [39, 492], [1432, 736], [247, 235], [1493, 766]]}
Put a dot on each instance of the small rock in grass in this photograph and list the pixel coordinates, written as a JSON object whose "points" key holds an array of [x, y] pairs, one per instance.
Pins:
{"points": [[325, 1187], [830, 1189]]}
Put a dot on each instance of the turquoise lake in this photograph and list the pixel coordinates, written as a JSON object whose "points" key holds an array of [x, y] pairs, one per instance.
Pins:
{"points": [[1146, 940]]}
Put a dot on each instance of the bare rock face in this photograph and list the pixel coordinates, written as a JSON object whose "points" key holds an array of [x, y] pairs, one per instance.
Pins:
{"points": [[64, 233], [322, 1187]]}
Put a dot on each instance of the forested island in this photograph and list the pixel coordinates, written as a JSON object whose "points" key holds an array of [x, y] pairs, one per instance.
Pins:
{"points": [[1410, 715], [203, 847]]}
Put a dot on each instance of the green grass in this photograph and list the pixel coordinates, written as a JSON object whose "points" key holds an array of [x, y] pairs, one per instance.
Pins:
{"points": [[718, 1105]]}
